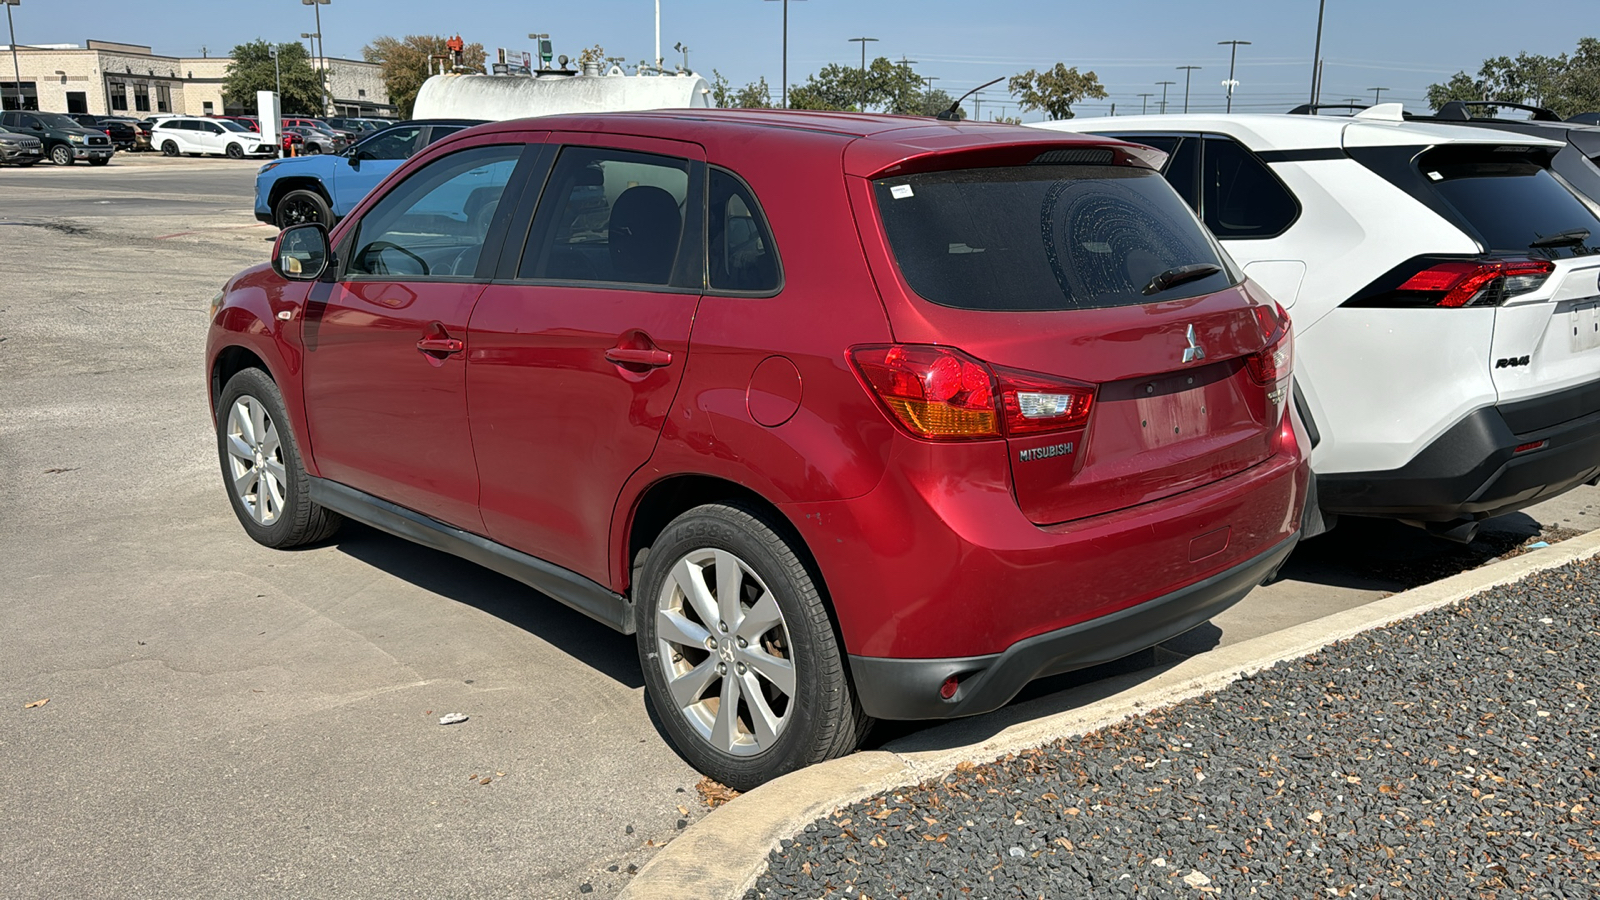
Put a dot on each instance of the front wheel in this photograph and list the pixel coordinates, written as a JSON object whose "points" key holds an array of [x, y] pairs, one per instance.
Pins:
{"points": [[61, 155], [169, 148], [740, 660], [300, 207], [235, 151], [261, 467]]}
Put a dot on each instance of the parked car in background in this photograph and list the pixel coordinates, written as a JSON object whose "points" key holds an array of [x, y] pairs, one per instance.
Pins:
{"points": [[313, 140], [121, 132], [1443, 283], [335, 141], [1045, 421], [208, 137], [324, 188], [64, 141], [291, 143], [359, 126], [141, 133], [18, 149]]}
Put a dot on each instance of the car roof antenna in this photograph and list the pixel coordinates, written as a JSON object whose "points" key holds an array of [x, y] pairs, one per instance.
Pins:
{"points": [[949, 115]]}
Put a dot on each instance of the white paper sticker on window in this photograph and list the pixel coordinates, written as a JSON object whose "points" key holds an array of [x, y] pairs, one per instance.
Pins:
{"points": [[900, 191]]}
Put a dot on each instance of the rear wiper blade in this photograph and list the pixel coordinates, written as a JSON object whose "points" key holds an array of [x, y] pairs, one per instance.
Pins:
{"points": [[1175, 276], [1570, 236]]}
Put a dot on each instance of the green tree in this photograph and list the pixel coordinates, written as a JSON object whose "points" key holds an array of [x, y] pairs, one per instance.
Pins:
{"points": [[885, 86], [1564, 84], [1461, 86], [406, 63], [251, 70], [755, 95], [1053, 91]]}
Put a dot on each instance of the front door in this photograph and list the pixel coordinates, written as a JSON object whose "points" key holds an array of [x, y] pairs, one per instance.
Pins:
{"points": [[386, 352], [578, 348]]}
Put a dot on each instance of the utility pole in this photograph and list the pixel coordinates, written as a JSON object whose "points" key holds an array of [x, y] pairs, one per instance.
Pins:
{"points": [[15, 68], [785, 50], [1145, 109], [929, 80], [658, 59], [1233, 58], [1188, 72], [863, 41], [1164, 95], [1376, 93], [322, 57], [1316, 56]]}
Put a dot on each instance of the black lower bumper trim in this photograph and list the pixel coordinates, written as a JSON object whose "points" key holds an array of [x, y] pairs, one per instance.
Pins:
{"points": [[1473, 470], [909, 688]]}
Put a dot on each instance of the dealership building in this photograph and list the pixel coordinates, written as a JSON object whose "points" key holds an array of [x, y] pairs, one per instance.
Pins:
{"points": [[107, 78]]}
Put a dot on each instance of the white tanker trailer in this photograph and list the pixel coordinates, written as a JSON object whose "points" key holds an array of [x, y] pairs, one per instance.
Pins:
{"points": [[501, 97]]}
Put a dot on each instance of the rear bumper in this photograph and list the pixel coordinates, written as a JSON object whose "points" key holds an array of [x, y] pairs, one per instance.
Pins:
{"points": [[909, 688], [1473, 470]]}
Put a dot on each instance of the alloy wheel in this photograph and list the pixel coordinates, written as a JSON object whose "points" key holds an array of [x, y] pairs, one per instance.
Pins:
{"points": [[726, 652], [61, 155], [255, 460]]}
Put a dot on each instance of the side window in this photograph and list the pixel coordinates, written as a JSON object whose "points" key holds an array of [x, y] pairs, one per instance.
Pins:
{"points": [[433, 225], [398, 143], [1183, 172], [212, 127], [609, 216], [1240, 197], [31, 122], [439, 132], [742, 255]]}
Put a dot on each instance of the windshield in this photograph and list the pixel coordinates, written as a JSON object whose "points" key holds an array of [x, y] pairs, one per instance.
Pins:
{"points": [[56, 120], [1044, 237]]}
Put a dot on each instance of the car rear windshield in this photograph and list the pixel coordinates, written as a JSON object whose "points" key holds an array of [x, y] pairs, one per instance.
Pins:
{"points": [[1511, 199], [1046, 237]]}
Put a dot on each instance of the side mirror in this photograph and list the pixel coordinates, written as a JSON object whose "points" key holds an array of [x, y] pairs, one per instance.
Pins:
{"points": [[301, 252]]}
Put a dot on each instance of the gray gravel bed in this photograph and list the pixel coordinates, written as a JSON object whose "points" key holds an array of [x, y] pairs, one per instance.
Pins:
{"points": [[1449, 755]]}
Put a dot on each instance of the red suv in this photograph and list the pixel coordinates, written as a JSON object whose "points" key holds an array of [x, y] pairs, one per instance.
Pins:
{"points": [[845, 416]]}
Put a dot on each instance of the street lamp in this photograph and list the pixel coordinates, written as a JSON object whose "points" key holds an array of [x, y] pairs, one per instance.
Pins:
{"points": [[1233, 58], [322, 58], [15, 68], [863, 41], [1316, 56], [1376, 93], [1188, 72], [1164, 85], [679, 46], [785, 50], [277, 74]]}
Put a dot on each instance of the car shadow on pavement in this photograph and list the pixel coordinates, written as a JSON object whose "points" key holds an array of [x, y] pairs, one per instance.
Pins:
{"points": [[1384, 555], [511, 601]]}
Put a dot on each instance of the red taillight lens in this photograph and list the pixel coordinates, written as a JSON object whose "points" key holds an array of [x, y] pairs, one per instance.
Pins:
{"points": [[1455, 284], [1273, 363], [943, 394]]}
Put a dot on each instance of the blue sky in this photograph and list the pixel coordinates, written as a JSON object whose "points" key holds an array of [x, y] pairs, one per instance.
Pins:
{"points": [[1402, 45]]}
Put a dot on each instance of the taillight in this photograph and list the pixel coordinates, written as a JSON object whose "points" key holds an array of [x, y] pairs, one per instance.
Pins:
{"points": [[1455, 283], [943, 394], [1274, 362]]}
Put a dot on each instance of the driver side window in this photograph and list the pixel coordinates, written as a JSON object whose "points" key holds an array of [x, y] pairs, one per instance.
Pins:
{"points": [[398, 143], [433, 225]]}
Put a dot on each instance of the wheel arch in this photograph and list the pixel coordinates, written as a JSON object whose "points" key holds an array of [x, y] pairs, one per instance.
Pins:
{"points": [[283, 186], [230, 361]]}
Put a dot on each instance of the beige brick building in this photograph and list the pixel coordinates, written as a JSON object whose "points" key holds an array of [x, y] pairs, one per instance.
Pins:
{"points": [[107, 78]]}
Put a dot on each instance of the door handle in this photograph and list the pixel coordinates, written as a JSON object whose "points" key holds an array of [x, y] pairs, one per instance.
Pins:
{"points": [[650, 358], [446, 345]]}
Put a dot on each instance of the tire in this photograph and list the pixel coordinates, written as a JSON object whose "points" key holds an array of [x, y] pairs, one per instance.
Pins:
{"points": [[61, 155], [100, 161], [235, 151], [261, 467], [793, 667], [169, 148], [302, 206]]}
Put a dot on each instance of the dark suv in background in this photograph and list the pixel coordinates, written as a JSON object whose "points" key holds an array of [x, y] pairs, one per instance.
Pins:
{"points": [[123, 134], [64, 140]]}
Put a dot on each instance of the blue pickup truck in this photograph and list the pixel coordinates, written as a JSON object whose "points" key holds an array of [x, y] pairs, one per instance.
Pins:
{"points": [[324, 188]]}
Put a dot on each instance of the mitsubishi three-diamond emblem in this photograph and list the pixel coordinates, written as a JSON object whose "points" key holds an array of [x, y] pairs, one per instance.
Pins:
{"points": [[1194, 351]]}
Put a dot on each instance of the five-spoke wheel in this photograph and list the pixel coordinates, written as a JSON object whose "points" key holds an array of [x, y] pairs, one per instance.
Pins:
{"points": [[267, 483]]}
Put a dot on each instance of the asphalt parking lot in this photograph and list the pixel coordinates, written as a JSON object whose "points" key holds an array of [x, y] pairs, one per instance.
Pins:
{"points": [[226, 720]]}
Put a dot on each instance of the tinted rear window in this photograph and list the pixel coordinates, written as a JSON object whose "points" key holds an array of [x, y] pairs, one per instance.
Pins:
{"points": [[1044, 237], [1510, 199]]}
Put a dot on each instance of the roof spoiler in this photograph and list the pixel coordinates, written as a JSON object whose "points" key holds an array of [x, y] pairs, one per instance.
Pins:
{"points": [[1461, 110]]}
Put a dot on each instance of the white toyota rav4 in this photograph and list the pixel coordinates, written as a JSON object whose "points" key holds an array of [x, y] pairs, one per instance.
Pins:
{"points": [[1443, 286]]}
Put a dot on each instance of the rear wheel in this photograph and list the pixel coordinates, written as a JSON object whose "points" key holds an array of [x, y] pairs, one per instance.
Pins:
{"points": [[300, 207], [61, 155], [169, 148], [739, 655], [235, 151], [267, 483]]}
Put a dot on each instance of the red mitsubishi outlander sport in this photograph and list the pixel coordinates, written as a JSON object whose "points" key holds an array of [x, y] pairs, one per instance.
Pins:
{"points": [[844, 416]]}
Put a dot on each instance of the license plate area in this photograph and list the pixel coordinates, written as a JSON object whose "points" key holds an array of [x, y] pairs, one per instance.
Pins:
{"points": [[1584, 322]]}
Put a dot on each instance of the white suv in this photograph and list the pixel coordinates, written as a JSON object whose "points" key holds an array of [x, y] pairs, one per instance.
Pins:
{"points": [[192, 134], [1443, 286]]}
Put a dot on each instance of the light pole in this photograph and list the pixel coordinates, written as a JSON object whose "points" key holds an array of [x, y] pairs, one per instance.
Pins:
{"points": [[929, 80], [1164, 85], [1376, 93], [863, 41], [1145, 108], [785, 50], [1233, 57], [277, 73], [15, 68], [658, 59], [1316, 56], [1188, 72], [322, 57], [685, 51]]}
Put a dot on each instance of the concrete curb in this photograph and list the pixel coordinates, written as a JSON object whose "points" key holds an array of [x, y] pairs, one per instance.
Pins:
{"points": [[722, 855]]}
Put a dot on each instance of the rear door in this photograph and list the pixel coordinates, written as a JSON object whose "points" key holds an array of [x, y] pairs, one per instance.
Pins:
{"points": [[579, 345], [385, 366]]}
